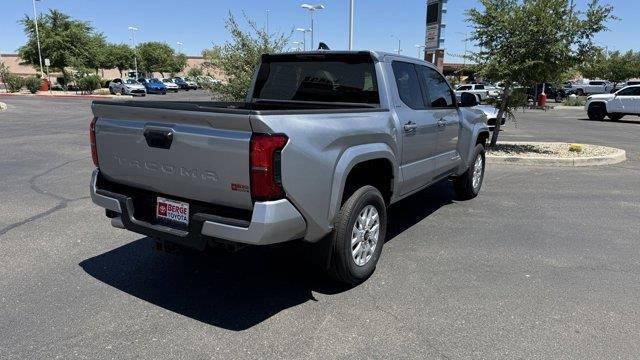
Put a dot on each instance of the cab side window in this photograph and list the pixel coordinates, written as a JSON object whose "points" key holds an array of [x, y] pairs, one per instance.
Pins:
{"points": [[408, 85], [438, 91]]}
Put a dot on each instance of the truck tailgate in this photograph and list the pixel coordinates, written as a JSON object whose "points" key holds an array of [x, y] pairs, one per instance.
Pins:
{"points": [[186, 153]]}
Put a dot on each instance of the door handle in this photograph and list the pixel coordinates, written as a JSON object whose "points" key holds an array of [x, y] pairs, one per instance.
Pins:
{"points": [[410, 126]]}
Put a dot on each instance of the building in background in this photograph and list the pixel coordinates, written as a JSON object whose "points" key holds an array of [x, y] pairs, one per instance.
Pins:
{"points": [[13, 63]]}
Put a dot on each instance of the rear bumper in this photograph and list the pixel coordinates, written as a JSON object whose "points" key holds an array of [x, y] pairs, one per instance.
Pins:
{"points": [[271, 222]]}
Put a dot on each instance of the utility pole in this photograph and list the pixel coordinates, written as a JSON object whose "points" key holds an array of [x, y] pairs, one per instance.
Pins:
{"points": [[35, 20], [351, 24]]}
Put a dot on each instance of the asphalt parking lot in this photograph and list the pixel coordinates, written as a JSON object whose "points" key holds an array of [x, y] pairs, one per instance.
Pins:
{"points": [[545, 263]]}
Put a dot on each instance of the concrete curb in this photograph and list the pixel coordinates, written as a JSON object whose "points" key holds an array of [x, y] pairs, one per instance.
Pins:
{"points": [[616, 158], [563, 107], [68, 96]]}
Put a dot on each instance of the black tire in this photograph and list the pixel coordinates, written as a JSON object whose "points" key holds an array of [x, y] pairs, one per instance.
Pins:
{"points": [[596, 112], [580, 92], [559, 99], [463, 184], [342, 266], [616, 117], [111, 91], [122, 92]]}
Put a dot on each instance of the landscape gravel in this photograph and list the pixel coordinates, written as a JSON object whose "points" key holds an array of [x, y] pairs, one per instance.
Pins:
{"points": [[549, 150]]}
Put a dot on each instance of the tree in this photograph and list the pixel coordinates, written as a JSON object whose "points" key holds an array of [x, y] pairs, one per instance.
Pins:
{"points": [[532, 41], [239, 57], [178, 63], [119, 56], [195, 72], [63, 41], [614, 66], [156, 57]]}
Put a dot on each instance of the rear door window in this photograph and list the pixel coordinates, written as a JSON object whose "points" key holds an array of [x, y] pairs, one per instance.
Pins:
{"points": [[408, 85]]}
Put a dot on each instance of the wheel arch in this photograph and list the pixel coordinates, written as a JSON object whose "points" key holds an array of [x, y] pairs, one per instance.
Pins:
{"points": [[355, 158]]}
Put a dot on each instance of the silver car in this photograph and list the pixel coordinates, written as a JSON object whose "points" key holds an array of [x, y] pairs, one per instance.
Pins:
{"points": [[171, 86], [127, 87]]}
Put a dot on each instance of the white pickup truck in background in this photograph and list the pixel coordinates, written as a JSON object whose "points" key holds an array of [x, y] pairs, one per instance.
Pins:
{"points": [[481, 91], [589, 87], [615, 106]]}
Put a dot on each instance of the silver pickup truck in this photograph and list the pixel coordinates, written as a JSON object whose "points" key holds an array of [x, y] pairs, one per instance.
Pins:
{"points": [[323, 144]]}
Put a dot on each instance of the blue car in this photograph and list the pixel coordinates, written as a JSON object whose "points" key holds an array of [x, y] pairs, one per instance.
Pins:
{"points": [[153, 86]]}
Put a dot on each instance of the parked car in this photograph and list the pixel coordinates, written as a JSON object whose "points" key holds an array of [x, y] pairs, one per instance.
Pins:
{"points": [[589, 87], [481, 90], [490, 111], [285, 165], [171, 86], [127, 87], [181, 83], [190, 85], [153, 86], [623, 102], [558, 95]]}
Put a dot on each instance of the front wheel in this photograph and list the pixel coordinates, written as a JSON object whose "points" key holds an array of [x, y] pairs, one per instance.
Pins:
{"points": [[358, 236], [467, 186], [596, 112]]}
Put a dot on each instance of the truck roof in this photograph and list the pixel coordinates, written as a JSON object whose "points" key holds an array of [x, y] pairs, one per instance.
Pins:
{"points": [[377, 55]]}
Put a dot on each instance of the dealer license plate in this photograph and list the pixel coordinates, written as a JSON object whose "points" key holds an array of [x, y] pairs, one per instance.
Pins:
{"points": [[172, 212]]}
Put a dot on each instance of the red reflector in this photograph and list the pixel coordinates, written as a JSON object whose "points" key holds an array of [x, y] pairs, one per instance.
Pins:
{"points": [[92, 141], [264, 167]]}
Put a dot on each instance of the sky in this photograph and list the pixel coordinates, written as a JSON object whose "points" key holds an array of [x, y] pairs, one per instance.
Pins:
{"points": [[200, 23]]}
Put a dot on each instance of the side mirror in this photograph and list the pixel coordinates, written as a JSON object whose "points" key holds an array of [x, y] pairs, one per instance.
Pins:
{"points": [[468, 100]]}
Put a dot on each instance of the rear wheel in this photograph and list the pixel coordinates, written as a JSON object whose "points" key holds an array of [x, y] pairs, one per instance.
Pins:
{"points": [[616, 117], [467, 186], [596, 112], [580, 92], [123, 92], [358, 236]]}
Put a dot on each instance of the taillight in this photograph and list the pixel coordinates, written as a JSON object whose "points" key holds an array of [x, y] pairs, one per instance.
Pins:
{"points": [[265, 166], [92, 140]]}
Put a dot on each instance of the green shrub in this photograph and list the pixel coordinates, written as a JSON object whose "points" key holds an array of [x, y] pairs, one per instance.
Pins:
{"points": [[89, 83], [32, 84], [13, 82], [575, 101]]}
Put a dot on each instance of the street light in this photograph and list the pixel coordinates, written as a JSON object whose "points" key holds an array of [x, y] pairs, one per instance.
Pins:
{"points": [[267, 24], [466, 39], [297, 44], [35, 20], [399, 49], [312, 9], [179, 46], [421, 49], [135, 53], [304, 36]]}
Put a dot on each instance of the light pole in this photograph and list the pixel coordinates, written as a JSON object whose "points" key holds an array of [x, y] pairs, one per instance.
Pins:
{"points": [[297, 44], [399, 50], [351, 25], [421, 49], [35, 20], [312, 9], [466, 39], [135, 52], [304, 36], [179, 47], [267, 23]]}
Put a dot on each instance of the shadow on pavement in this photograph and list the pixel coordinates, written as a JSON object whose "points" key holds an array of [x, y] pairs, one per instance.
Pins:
{"points": [[236, 291], [621, 121]]}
